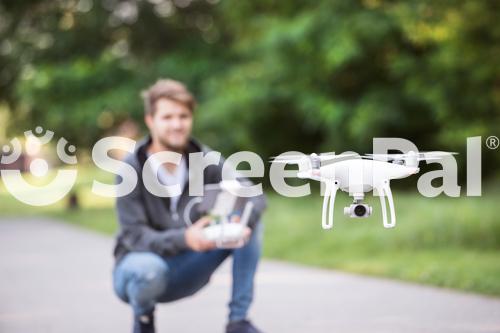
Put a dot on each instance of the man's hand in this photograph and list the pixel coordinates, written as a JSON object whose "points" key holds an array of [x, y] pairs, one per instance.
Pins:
{"points": [[195, 238], [247, 232]]}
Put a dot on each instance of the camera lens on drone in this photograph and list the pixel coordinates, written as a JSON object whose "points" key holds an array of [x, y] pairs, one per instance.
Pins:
{"points": [[360, 210]]}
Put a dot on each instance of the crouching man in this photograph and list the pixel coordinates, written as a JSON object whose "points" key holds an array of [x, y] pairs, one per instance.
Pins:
{"points": [[161, 257]]}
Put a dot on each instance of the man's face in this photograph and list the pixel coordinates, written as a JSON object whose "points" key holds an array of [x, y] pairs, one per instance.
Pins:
{"points": [[170, 124]]}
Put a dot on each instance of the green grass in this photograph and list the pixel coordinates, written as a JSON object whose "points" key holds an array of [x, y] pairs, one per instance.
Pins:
{"points": [[96, 213], [448, 242]]}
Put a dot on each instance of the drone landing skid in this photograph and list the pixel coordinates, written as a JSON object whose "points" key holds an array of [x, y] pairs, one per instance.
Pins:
{"points": [[383, 190], [329, 204]]}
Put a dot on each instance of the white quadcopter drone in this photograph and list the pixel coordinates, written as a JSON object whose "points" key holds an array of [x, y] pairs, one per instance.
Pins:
{"points": [[356, 175]]}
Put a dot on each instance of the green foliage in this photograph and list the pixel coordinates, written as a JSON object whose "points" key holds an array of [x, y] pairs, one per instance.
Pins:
{"points": [[270, 75]]}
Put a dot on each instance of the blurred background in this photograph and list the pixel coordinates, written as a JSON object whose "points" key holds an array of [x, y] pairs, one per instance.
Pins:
{"points": [[272, 76]]}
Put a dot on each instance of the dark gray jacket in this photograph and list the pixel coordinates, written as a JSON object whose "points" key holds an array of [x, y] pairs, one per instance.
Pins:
{"points": [[146, 222]]}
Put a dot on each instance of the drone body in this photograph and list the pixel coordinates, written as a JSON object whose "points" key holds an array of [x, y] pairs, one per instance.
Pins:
{"points": [[357, 175]]}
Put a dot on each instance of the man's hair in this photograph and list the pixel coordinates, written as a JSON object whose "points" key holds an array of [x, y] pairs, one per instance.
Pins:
{"points": [[169, 89]]}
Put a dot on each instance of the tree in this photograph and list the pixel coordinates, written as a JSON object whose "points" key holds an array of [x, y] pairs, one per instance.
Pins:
{"points": [[270, 75]]}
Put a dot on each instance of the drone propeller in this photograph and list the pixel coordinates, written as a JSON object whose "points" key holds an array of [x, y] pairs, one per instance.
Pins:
{"points": [[421, 156], [320, 157]]}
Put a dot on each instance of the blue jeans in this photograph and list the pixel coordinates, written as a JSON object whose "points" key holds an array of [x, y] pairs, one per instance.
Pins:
{"points": [[143, 279]]}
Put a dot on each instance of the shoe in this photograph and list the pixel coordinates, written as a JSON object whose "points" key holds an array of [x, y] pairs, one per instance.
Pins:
{"points": [[144, 323], [242, 326]]}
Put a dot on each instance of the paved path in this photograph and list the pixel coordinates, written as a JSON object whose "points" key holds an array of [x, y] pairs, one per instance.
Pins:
{"points": [[56, 278]]}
